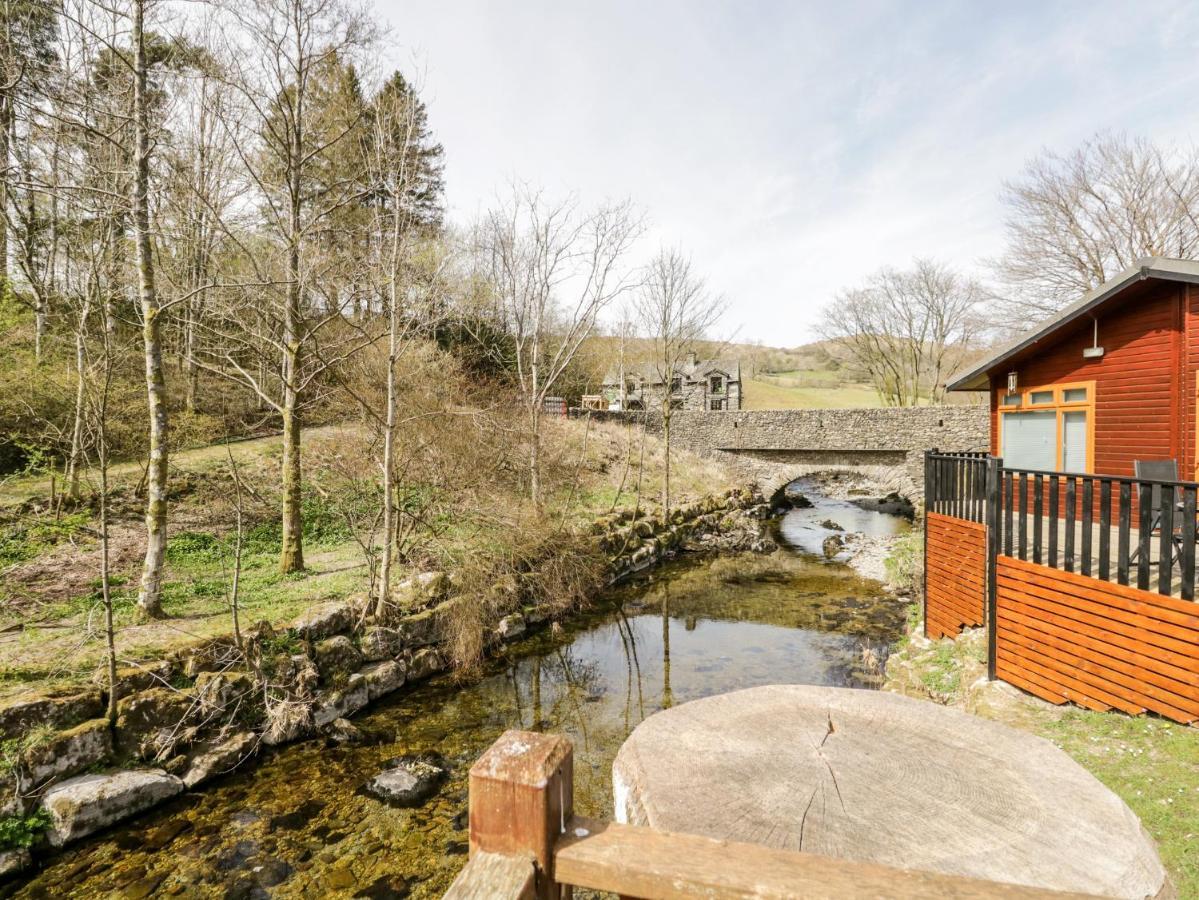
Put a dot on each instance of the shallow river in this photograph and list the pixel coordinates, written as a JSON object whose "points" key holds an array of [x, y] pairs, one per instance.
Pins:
{"points": [[295, 825]]}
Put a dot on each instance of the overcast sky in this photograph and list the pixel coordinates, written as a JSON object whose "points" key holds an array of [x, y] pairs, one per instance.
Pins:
{"points": [[790, 148]]}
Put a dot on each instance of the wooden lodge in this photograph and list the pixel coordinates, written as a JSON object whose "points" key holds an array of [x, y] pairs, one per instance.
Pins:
{"points": [[1074, 540], [1112, 379]]}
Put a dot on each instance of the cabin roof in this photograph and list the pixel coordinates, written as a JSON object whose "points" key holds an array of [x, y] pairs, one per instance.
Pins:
{"points": [[1162, 268]]}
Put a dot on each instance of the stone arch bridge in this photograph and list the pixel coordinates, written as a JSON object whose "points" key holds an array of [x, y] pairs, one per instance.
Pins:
{"points": [[774, 447]]}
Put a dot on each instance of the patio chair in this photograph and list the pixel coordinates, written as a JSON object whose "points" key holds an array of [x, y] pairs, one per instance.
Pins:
{"points": [[1161, 470]]}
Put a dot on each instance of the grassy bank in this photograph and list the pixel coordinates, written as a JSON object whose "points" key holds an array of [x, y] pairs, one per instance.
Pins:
{"points": [[464, 504]]}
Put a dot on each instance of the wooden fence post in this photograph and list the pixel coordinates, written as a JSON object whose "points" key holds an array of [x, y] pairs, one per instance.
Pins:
{"points": [[929, 494], [992, 519], [521, 798]]}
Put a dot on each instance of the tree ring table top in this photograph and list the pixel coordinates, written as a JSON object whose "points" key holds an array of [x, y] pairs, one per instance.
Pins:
{"points": [[879, 777]]}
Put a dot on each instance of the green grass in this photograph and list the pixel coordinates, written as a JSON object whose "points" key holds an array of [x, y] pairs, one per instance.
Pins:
{"points": [[768, 392], [1150, 763], [34, 535], [1153, 765]]}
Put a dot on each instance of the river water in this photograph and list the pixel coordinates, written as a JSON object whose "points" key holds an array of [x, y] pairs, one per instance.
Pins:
{"points": [[296, 824]]}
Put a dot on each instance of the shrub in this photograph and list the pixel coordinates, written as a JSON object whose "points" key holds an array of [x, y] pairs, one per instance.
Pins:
{"points": [[20, 832], [905, 564]]}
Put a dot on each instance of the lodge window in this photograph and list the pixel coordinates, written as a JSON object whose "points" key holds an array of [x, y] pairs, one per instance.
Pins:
{"points": [[716, 384], [716, 404], [1048, 428], [676, 384]]}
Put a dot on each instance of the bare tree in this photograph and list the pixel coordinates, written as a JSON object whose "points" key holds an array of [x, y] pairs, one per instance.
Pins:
{"points": [[677, 311], [1076, 220], [907, 330], [274, 54], [149, 599], [393, 164], [553, 270]]}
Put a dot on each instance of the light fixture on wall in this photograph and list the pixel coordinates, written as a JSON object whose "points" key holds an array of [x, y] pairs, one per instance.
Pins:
{"points": [[1011, 382]]}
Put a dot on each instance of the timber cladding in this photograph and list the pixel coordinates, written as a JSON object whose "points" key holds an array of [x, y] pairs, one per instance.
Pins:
{"points": [[1068, 637], [955, 575]]}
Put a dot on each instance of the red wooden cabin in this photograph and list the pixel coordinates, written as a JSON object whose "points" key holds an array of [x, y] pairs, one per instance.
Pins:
{"points": [[1111, 379], [1083, 569]]}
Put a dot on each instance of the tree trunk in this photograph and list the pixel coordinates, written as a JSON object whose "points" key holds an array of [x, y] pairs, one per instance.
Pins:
{"points": [[535, 455], [388, 457], [149, 599], [666, 414], [75, 457], [291, 556], [5, 118]]}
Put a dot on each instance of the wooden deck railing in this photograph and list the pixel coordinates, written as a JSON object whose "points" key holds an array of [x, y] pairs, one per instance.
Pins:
{"points": [[526, 843]]}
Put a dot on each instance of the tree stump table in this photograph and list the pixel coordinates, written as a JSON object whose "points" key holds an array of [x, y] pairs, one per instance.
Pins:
{"points": [[878, 777]]}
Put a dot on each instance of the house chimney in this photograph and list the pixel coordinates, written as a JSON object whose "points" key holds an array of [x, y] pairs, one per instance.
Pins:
{"points": [[691, 358]]}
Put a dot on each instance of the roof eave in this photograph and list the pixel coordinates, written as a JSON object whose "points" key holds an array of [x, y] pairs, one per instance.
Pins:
{"points": [[978, 378]]}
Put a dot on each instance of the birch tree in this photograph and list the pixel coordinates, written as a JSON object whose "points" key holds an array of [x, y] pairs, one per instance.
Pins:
{"points": [[553, 270], [149, 598], [399, 175], [676, 311]]}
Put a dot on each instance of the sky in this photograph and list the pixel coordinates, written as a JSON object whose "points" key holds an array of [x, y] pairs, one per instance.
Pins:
{"points": [[790, 149]]}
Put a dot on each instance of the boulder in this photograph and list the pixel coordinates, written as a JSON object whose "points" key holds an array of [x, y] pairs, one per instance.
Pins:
{"points": [[82, 805], [217, 691], [830, 525], [407, 781], [424, 663], [211, 656], [419, 589], [14, 861], [66, 753], [343, 731], [341, 703], [58, 711], [336, 658], [380, 642], [833, 544], [137, 677], [150, 723], [286, 722], [384, 678], [510, 627], [220, 758], [425, 627], [325, 620]]}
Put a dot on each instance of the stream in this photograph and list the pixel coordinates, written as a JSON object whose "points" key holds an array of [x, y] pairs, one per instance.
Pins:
{"points": [[296, 824]]}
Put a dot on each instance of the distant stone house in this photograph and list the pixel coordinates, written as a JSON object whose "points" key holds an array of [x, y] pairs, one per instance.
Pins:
{"points": [[712, 384]]}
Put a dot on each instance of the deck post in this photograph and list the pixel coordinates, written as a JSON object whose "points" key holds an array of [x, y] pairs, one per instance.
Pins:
{"points": [[929, 494], [521, 797], [991, 516]]}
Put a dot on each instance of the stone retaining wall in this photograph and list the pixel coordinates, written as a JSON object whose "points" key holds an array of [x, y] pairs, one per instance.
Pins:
{"points": [[198, 713]]}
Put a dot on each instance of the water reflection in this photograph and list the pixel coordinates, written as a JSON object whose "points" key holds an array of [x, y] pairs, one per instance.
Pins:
{"points": [[297, 826]]}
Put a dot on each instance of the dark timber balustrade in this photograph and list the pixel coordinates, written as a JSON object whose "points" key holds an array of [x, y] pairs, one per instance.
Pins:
{"points": [[1088, 581]]}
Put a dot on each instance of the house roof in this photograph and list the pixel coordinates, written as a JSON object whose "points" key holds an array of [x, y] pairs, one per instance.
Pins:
{"points": [[1162, 268], [691, 372]]}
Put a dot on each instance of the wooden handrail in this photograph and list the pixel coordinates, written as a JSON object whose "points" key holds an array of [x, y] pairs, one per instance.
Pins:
{"points": [[525, 844]]}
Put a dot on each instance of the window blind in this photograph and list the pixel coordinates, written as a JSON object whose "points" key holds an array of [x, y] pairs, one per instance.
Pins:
{"points": [[1030, 440], [1074, 441]]}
